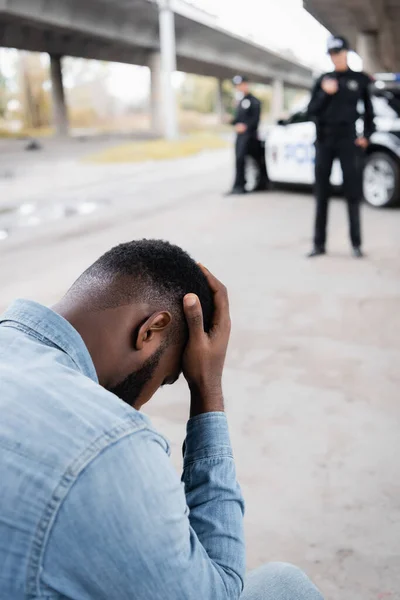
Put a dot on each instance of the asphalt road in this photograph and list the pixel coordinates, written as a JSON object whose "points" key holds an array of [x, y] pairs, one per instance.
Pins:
{"points": [[312, 380]]}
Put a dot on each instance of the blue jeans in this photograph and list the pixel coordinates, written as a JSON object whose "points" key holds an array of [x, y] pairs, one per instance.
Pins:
{"points": [[279, 581]]}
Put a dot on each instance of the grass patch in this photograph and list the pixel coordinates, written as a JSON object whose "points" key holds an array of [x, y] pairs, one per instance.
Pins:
{"points": [[26, 133], [157, 149], [9, 135]]}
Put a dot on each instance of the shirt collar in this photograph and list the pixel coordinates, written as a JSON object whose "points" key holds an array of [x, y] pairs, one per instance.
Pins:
{"points": [[53, 328]]}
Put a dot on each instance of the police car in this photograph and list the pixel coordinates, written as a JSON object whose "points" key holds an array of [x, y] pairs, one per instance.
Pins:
{"points": [[290, 150]]}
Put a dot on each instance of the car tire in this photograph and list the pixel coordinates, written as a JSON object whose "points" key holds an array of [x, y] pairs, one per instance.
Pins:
{"points": [[254, 180], [251, 173], [381, 180]]}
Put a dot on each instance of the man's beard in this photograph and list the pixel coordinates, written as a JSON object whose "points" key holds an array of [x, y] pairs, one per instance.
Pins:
{"points": [[129, 390]]}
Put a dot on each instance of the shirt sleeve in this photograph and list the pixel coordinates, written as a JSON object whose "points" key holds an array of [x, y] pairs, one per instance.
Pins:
{"points": [[254, 119], [127, 531], [319, 100], [369, 126]]}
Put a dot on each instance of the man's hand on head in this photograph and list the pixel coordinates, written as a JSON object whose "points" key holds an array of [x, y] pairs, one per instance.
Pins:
{"points": [[204, 356]]}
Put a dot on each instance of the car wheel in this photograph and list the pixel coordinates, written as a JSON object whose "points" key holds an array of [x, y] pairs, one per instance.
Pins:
{"points": [[251, 173], [381, 180], [256, 181]]}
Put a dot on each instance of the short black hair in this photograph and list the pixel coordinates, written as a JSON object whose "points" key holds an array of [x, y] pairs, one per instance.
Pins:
{"points": [[152, 271]]}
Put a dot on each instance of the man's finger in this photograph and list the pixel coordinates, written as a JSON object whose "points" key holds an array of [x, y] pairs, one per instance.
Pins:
{"points": [[193, 314], [221, 300], [213, 282]]}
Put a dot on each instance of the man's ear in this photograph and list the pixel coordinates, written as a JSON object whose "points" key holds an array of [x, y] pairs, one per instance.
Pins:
{"points": [[156, 323]]}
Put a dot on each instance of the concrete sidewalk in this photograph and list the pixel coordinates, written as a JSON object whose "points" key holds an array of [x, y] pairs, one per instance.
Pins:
{"points": [[312, 381]]}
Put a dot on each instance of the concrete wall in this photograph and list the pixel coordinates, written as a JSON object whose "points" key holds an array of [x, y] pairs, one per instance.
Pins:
{"points": [[371, 25]]}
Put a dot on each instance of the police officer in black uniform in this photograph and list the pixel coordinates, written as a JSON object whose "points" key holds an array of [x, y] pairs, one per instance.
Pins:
{"points": [[246, 123], [334, 106]]}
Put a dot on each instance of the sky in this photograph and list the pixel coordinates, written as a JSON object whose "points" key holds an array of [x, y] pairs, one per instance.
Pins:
{"points": [[278, 24]]}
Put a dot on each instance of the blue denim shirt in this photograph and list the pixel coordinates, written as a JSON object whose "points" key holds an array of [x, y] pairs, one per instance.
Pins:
{"points": [[90, 504]]}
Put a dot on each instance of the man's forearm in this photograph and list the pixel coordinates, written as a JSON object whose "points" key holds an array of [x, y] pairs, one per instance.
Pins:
{"points": [[205, 399], [319, 100], [317, 103], [369, 126], [213, 494]]}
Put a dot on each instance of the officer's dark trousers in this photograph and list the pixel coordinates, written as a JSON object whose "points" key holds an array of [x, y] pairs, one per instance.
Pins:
{"points": [[350, 157], [247, 144]]}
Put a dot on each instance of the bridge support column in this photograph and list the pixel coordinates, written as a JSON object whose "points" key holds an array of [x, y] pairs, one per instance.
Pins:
{"points": [[277, 100], [368, 49], [219, 104], [60, 116], [157, 113], [164, 71]]}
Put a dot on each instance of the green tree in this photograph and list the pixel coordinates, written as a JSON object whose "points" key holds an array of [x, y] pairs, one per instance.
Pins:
{"points": [[198, 93], [80, 71], [87, 91], [3, 95], [228, 96], [264, 94], [34, 90]]}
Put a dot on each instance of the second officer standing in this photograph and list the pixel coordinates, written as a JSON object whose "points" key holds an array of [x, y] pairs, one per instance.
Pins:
{"points": [[246, 121]]}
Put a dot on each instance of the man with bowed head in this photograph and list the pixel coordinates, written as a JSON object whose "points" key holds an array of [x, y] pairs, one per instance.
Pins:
{"points": [[90, 505]]}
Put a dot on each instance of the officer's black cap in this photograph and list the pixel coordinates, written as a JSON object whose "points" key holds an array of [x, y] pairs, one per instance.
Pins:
{"points": [[238, 79], [337, 43]]}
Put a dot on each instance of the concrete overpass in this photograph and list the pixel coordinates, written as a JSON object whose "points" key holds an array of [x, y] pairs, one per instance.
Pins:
{"points": [[371, 25], [165, 35]]}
